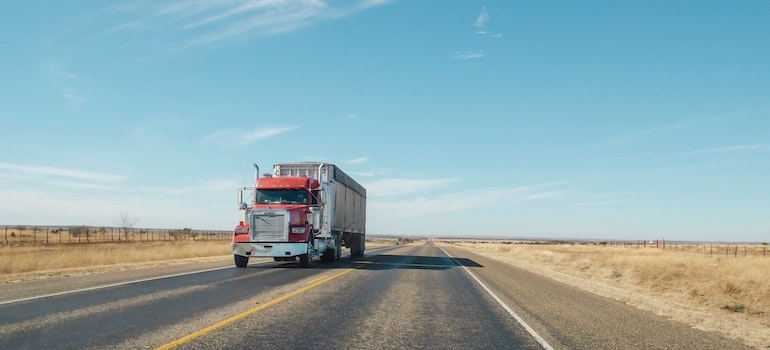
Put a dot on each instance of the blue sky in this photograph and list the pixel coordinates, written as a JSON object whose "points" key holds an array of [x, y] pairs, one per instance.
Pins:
{"points": [[567, 119]]}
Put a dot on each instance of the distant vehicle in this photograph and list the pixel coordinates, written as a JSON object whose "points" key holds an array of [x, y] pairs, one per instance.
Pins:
{"points": [[301, 211]]}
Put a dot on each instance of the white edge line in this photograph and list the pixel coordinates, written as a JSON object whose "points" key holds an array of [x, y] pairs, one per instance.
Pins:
{"points": [[114, 285], [518, 319]]}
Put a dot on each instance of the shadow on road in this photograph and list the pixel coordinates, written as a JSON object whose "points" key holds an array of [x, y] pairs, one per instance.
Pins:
{"points": [[387, 262]]}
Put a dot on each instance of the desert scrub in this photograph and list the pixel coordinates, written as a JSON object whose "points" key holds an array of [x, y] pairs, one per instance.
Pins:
{"points": [[686, 275]]}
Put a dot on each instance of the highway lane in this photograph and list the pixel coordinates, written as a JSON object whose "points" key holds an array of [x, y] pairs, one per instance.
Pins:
{"points": [[398, 297], [407, 298]]}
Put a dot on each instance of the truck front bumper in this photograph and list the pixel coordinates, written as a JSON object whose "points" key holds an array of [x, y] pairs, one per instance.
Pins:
{"points": [[269, 249]]}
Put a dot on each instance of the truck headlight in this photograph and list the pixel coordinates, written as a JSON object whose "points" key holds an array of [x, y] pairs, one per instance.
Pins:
{"points": [[298, 229], [241, 231]]}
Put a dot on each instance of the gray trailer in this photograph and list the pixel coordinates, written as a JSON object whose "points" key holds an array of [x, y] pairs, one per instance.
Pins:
{"points": [[344, 209]]}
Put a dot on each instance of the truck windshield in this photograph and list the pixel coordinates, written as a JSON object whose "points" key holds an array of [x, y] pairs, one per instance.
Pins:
{"points": [[281, 197]]}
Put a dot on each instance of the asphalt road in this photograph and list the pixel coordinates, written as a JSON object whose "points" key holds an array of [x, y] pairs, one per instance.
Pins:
{"points": [[405, 297]]}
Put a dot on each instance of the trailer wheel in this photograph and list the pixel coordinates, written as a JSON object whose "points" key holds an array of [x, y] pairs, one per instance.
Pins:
{"points": [[357, 245], [241, 261]]}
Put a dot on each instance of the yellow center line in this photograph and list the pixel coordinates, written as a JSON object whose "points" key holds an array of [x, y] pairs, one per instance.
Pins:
{"points": [[318, 279], [237, 317]]}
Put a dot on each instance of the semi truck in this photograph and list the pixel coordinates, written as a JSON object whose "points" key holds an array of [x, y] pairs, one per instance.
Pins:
{"points": [[299, 212]]}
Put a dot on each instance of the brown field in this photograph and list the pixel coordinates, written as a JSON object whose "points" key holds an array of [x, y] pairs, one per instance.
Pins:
{"points": [[722, 293], [29, 261]]}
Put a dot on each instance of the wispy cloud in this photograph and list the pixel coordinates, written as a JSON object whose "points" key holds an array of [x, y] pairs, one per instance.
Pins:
{"points": [[397, 187], [72, 94], [730, 149], [546, 195], [661, 131], [605, 199], [85, 185], [236, 138], [210, 186], [482, 19], [358, 160], [23, 169], [602, 203], [446, 201], [468, 55], [200, 22], [481, 23]]}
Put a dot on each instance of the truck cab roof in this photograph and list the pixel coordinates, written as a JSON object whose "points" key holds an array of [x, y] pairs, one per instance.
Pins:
{"points": [[286, 182]]}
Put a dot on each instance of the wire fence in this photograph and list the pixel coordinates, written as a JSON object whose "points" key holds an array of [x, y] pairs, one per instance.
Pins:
{"points": [[90, 234], [712, 249]]}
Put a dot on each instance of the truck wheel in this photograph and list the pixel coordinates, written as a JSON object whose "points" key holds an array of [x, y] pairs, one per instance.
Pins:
{"points": [[356, 246], [241, 261], [338, 251], [328, 255], [304, 259], [333, 254]]}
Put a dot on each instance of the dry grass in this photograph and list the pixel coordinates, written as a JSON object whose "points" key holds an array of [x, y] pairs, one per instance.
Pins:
{"points": [[726, 294], [35, 261]]}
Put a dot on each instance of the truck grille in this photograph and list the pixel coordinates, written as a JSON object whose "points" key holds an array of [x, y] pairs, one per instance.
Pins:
{"points": [[269, 226]]}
